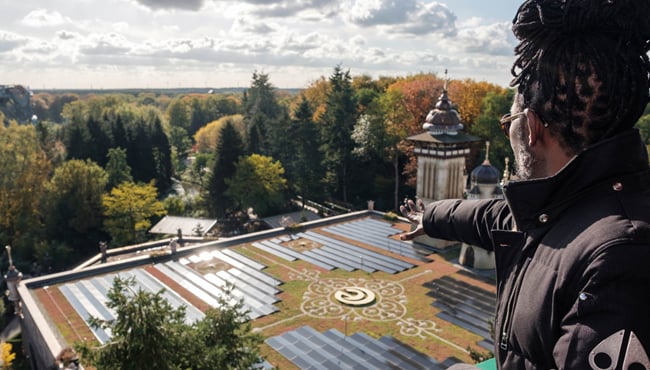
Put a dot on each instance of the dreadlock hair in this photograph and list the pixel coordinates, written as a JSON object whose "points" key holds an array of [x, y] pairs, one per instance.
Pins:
{"points": [[582, 66]]}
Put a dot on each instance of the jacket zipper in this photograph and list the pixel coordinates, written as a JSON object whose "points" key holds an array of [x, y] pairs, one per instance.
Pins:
{"points": [[510, 308]]}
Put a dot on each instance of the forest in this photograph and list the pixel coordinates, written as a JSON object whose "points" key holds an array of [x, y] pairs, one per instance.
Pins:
{"points": [[105, 166]]}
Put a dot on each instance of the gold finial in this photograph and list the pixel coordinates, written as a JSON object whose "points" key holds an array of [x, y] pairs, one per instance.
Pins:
{"points": [[446, 80], [486, 162]]}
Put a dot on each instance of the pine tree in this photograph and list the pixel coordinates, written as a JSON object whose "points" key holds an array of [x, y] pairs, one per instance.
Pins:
{"points": [[305, 171], [117, 168], [337, 124], [229, 148], [162, 156]]}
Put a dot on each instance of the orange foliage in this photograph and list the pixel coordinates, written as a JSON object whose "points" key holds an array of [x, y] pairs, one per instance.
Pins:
{"points": [[419, 95], [316, 94], [467, 96]]}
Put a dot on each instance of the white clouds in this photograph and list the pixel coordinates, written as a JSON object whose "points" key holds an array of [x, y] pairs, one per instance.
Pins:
{"points": [[67, 35], [105, 44], [368, 13], [44, 18], [413, 17], [494, 39], [10, 41], [296, 41], [249, 26], [431, 18], [172, 4]]}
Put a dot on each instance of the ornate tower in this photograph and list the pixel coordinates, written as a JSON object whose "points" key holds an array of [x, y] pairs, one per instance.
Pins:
{"points": [[442, 151]]}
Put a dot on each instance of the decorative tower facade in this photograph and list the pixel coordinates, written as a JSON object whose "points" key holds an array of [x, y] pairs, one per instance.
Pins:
{"points": [[441, 151]]}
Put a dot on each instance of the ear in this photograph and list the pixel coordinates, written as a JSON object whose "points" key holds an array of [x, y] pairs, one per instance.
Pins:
{"points": [[535, 127]]}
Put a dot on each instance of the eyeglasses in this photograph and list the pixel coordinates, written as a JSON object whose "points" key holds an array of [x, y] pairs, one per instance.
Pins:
{"points": [[506, 121]]}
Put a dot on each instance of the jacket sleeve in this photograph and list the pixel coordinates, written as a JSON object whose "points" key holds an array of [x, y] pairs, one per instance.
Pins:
{"points": [[610, 318], [467, 221]]}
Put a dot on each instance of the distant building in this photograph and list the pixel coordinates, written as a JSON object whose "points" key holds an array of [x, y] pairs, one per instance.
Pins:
{"points": [[188, 226]]}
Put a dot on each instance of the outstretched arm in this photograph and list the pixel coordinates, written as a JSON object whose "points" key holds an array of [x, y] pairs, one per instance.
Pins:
{"points": [[468, 221]]}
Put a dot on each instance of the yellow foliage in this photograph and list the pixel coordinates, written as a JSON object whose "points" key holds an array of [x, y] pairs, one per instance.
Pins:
{"points": [[207, 137], [7, 356]]}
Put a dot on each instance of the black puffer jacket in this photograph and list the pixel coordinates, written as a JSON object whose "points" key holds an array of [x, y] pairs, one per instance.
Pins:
{"points": [[573, 280]]}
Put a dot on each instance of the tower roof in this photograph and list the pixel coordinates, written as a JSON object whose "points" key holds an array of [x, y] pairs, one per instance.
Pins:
{"points": [[443, 119], [486, 173]]}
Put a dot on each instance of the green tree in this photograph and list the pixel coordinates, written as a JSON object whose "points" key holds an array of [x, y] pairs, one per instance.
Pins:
{"points": [[258, 183], [145, 334], [128, 209], [337, 124], [225, 338], [117, 167], [73, 201], [229, 148], [493, 106], [306, 171], [261, 114], [179, 114], [148, 333]]}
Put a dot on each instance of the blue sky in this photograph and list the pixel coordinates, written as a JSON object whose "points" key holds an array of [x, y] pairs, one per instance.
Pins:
{"points": [[220, 43]]}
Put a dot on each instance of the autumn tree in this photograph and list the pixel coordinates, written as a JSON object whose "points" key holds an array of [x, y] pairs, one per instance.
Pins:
{"points": [[316, 93], [207, 137], [258, 183], [24, 168], [128, 209], [468, 96], [7, 357]]}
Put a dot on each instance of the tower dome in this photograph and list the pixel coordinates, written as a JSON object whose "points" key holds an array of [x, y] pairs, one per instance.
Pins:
{"points": [[486, 173], [485, 180], [443, 119]]}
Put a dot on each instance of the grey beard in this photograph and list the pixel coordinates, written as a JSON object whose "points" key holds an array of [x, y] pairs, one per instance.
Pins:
{"points": [[523, 162]]}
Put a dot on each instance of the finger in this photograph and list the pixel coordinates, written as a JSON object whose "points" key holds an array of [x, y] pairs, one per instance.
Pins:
{"points": [[411, 235], [404, 211], [412, 206], [421, 205]]}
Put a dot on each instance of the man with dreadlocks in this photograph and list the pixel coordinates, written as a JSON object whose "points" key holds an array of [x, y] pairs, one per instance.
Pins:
{"points": [[572, 237]]}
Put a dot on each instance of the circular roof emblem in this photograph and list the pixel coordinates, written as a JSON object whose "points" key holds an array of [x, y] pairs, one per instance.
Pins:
{"points": [[355, 296]]}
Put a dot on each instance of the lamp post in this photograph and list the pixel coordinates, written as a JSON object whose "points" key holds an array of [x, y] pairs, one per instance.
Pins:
{"points": [[13, 278]]}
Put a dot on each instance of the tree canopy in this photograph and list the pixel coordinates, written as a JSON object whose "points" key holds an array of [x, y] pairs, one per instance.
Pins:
{"points": [[258, 183], [129, 208], [148, 333], [229, 148]]}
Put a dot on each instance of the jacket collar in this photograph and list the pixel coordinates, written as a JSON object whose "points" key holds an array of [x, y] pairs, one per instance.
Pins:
{"points": [[534, 203]]}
